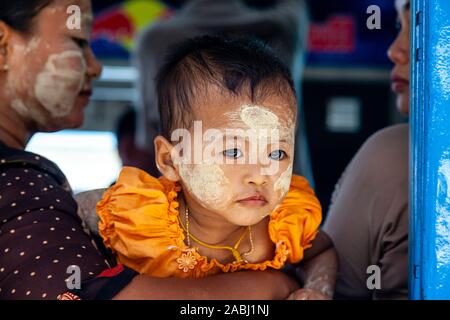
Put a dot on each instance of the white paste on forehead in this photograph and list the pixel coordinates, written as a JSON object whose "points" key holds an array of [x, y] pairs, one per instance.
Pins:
{"points": [[207, 182], [59, 84], [256, 117], [283, 182]]}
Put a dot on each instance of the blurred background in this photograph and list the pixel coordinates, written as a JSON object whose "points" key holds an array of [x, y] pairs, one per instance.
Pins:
{"points": [[346, 88]]}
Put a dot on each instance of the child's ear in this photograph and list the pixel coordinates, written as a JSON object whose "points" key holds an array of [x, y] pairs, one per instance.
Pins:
{"points": [[163, 157]]}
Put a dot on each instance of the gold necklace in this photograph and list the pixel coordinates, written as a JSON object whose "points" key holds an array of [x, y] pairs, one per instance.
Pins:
{"points": [[234, 250]]}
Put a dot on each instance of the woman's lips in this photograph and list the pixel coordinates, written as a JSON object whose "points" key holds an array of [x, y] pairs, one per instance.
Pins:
{"points": [[85, 96], [256, 200], [399, 84]]}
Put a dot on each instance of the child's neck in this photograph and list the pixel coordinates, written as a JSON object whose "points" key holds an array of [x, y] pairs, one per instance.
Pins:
{"points": [[216, 231], [210, 227], [212, 231]]}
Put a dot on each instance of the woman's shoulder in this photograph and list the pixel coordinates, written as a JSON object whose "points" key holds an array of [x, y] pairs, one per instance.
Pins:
{"points": [[384, 155], [379, 170], [29, 182], [14, 159], [390, 140], [38, 216]]}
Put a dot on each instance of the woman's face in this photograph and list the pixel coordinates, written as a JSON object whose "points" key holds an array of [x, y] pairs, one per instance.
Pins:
{"points": [[398, 53], [51, 69]]}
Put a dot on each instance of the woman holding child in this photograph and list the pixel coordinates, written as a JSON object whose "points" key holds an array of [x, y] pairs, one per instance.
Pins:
{"points": [[45, 81]]}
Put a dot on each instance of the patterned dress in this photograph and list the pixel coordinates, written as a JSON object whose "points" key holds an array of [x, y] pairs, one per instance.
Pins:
{"points": [[41, 235]]}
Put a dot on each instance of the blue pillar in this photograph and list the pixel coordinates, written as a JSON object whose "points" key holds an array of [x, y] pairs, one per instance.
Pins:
{"points": [[430, 150]]}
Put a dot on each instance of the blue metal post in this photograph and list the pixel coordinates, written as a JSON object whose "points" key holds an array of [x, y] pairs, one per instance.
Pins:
{"points": [[430, 150]]}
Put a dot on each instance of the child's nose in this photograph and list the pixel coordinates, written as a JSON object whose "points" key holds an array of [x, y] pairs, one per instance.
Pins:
{"points": [[256, 179]]}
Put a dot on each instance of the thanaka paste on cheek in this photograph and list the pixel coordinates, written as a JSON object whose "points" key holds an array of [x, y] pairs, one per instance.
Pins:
{"points": [[207, 182], [19, 88], [32, 45], [59, 84], [281, 186]]}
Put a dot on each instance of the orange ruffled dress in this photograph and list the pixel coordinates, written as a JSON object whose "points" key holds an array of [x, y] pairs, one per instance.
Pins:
{"points": [[139, 222]]}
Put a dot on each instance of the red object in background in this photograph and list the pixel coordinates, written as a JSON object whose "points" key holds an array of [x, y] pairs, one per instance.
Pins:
{"points": [[336, 35], [114, 24]]}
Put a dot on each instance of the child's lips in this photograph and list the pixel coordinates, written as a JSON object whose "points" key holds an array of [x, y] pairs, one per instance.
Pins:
{"points": [[254, 200]]}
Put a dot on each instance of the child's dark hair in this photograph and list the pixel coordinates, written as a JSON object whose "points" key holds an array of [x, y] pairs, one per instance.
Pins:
{"points": [[239, 66]]}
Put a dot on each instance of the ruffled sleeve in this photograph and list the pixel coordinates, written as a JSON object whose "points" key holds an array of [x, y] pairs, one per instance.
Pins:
{"points": [[294, 224], [138, 219]]}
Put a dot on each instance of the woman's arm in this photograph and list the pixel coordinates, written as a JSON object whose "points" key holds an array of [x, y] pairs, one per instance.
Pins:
{"points": [[86, 208], [245, 285]]}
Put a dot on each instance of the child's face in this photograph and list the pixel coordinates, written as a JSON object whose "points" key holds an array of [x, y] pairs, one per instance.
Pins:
{"points": [[243, 167]]}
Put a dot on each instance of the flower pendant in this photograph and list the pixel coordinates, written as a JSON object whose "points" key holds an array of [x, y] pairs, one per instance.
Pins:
{"points": [[187, 261]]}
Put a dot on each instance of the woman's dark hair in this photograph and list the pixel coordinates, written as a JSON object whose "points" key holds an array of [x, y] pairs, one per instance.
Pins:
{"points": [[238, 65], [19, 14]]}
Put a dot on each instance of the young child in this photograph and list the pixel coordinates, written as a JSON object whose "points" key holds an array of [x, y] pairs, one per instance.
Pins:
{"points": [[222, 203]]}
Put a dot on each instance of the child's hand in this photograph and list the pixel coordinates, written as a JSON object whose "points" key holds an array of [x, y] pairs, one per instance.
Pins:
{"points": [[308, 294]]}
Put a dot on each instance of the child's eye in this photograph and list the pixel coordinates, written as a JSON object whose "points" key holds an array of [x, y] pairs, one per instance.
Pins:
{"points": [[233, 153], [277, 155]]}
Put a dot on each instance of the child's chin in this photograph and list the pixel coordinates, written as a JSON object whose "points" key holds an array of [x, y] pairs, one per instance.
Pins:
{"points": [[250, 218]]}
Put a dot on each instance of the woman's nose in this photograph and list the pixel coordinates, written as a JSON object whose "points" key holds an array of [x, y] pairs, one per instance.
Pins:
{"points": [[398, 52], [94, 67]]}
